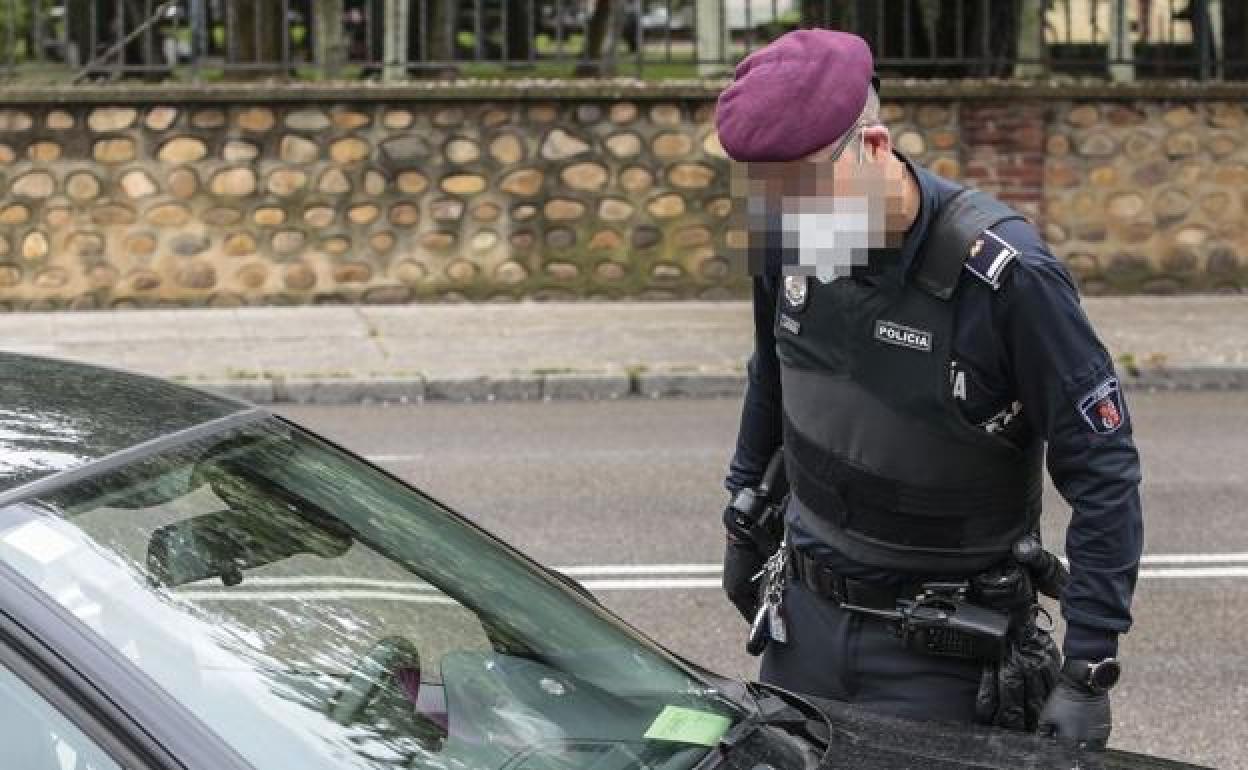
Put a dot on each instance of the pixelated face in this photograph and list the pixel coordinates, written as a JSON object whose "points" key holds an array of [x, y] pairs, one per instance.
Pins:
{"points": [[832, 207]]}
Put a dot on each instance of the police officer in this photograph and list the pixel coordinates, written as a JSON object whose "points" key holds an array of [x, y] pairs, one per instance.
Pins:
{"points": [[917, 347]]}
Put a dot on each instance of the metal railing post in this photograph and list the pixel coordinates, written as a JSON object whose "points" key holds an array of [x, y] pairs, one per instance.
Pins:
{"points": [[1030, 60], [284, 26], [395, 29], [1213, 14], [1121, 48], [199, 35], [10, 36], [478, 32], [709, 36], [1200, 30], [532, 22], [231, 45], [36, 26], [640, 38]]}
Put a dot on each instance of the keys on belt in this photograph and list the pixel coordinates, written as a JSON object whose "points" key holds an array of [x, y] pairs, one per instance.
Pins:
{"points": [[769, 622]]}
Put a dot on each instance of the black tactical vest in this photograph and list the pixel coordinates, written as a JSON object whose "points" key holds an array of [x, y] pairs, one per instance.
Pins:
{"points": [[877, 450]]}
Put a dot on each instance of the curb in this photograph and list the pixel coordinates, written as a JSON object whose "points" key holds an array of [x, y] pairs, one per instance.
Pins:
{"points": [[608, 386], [1193, 377], [561, 386]]}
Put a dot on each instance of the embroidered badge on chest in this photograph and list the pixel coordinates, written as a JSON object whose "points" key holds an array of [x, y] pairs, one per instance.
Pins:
{"points": [[892, 333], [1102, 408], [796, 291]]}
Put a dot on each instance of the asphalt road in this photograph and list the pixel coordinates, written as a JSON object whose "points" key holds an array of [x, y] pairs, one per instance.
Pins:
{"points": [[629, 493]]}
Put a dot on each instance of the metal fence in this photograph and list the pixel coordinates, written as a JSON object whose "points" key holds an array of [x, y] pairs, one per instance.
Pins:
{"points": [[210, 39]]}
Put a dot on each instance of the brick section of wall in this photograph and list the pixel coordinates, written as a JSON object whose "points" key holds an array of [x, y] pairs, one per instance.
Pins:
{"points": [[1004, 149]]}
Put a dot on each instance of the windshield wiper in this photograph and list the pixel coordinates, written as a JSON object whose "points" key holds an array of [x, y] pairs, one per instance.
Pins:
{"points": [[809, 718], [769, 708]]}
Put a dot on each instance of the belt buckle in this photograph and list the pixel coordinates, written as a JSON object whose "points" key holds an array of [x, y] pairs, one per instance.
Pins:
{"points": [[948, 590]]}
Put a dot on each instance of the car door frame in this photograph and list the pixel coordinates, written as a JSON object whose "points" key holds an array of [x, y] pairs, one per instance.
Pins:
{"points": [[93, 685]]}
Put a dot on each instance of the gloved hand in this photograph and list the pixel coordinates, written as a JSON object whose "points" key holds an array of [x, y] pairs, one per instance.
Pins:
{"points": [[1075, 714], [742, 561], [1013, 692]]}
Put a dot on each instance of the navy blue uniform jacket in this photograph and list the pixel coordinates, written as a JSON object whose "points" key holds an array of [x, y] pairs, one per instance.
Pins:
{"points": [[1026, 360]]}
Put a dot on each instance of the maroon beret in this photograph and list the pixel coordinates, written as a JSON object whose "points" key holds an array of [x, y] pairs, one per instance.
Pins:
{"points": [[801, 92]]}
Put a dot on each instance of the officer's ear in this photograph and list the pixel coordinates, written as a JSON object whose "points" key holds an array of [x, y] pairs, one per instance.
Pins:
{"points": [[877, 143]]}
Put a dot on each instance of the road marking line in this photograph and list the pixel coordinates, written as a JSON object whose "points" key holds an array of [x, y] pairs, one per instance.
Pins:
{"points": [[427, 595], [1194, 558], [414, 591], [383, 459], [645, 585], [643, 569], [1146, 560], [476, 457], [1195, 572]]}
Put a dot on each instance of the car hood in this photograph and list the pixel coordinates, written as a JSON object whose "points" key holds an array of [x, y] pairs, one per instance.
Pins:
{"points": [[861, 739]]}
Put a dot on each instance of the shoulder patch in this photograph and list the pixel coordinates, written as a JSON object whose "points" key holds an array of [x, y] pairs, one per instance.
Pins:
{"points": [[990, 256], [1101, 408]]}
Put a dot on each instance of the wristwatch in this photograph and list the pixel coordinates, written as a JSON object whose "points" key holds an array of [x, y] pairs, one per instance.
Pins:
{"points": [[1098, 676]]}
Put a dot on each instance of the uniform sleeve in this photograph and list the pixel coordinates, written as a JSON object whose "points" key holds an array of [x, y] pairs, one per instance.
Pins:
{"points": [[760, 432], [1073, 399]]}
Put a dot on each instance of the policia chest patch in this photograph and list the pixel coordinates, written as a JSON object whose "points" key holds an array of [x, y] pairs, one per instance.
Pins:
{"points": [[796, 290], [892, 333]]}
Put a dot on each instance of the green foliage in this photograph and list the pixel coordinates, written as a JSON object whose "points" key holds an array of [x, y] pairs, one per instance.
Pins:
{"points": [[16, 26], [783, 23]]}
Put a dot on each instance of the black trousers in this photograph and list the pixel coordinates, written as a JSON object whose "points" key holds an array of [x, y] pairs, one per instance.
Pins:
{"points": [[845, 656]]}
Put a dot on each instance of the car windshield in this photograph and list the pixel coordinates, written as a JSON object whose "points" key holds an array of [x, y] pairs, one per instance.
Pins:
{"points": [[316, 613]]}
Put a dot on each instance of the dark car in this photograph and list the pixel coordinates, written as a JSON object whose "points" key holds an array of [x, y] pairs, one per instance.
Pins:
{"points": [[187, 581]]}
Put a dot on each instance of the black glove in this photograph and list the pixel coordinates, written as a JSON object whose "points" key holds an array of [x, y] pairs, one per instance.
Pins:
{"points": [[1075, 714], [1014, 691], [742, 561]]}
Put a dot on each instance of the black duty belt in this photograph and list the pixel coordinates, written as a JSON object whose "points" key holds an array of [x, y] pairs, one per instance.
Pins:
{"points": [[823, 581], [931, 617]]}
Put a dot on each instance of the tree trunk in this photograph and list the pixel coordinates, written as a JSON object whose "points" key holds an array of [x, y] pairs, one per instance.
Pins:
{"points": [[96, 28], [78, 17], [600, 42], [1030, 40], [1235, 40], [516, 31], [441, 31], [829, 14], [255, 34], [988, 32], [331, 51], [895, 29]]}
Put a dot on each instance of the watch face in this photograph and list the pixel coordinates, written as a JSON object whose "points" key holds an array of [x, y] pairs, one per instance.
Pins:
{"points": [[1104, 675]]}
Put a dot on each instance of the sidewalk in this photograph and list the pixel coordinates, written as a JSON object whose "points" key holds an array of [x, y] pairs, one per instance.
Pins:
{"points": [[545, 350]]}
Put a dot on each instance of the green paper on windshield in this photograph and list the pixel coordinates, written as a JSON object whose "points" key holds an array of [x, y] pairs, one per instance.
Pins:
{"points": [[688, 726]]}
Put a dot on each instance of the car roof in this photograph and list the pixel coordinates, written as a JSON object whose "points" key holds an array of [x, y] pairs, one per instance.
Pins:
{"points": [[59, 415]]}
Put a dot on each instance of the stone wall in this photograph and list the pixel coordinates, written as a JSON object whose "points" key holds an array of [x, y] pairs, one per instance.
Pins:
{"points": [[133, 200], [1150, 197]]}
